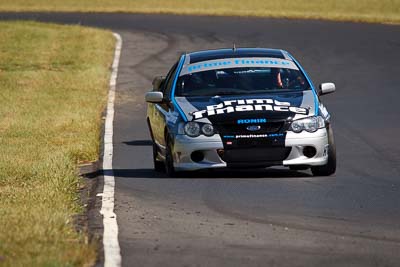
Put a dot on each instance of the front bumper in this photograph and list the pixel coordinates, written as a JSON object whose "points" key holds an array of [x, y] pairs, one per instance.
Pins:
{"points": [[184, 146], [298, 141]]}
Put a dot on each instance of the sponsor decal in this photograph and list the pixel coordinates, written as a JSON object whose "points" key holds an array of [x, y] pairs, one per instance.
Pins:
{"points": [[253, 136], [241, 136], [248, 121], [276, 135], [219, 64], [246, 105], [238, 62]]}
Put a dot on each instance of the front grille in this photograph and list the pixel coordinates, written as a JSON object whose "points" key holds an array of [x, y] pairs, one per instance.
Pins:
{"points": [[265, 154], [245, 147], [252, 142]]}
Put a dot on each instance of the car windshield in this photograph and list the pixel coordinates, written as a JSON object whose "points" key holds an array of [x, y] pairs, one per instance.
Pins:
{"points": [[220, 79]]}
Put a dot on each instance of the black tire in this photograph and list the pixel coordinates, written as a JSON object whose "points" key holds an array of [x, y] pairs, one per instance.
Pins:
{"points": [[158, 165], [330, 167], [169, 161]]}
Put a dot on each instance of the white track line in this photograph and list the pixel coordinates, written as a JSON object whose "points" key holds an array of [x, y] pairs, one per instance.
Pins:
{"points": [[112, 252]]}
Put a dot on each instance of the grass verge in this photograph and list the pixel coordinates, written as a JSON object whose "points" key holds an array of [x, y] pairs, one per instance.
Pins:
{"points": [[378, 11], [53, 88]]}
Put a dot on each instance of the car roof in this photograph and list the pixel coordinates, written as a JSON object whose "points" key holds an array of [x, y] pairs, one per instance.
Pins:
{"points": [[235, 53]]}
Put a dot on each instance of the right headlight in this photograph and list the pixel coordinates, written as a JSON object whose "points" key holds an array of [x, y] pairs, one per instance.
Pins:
{"points": [[207, 129], [310, 124]]}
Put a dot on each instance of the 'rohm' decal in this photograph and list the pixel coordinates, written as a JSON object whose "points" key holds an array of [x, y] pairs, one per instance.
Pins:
{"points": [[248, 121]]}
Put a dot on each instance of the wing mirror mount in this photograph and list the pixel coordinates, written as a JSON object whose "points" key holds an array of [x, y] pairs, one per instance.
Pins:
{"points": [[154, 97], [326, 88], [158, 82]]}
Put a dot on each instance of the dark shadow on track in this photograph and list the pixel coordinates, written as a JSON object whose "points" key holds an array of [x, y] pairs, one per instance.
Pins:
{"points": [[139, 143], [231, 174]]}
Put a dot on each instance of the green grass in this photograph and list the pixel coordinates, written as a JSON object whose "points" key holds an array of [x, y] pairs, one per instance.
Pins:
{"points": [[53, 88], [383, 11]]}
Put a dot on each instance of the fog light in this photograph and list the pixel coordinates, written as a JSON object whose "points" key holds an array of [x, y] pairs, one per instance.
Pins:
{"points": [[197, 156], [220, 152], [309, 151]]}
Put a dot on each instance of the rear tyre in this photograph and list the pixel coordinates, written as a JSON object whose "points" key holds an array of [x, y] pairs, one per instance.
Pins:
{"points": [[158, 165], [330, 167], [169, 160]]}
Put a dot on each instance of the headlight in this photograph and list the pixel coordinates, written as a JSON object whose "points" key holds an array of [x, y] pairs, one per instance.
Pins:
{"points": [[192, 129], [311, 124], [207, 129]]}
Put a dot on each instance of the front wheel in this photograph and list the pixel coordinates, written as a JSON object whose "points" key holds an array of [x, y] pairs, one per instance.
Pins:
{"points": [[169, 160], [158, 165], [330, 167]]}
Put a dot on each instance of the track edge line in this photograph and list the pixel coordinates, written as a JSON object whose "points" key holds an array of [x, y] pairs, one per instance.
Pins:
{"points": [[112, 251]]}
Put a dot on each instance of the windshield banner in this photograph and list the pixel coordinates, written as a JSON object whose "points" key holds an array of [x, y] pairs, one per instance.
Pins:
{"points": [[228, 63]]}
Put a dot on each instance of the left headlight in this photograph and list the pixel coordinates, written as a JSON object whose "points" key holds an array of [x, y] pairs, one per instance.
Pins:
{"points": [[310, 124], [194, 129]]}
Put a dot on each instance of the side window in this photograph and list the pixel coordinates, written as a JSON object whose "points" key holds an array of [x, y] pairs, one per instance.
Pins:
{"points": [[169, 80]]}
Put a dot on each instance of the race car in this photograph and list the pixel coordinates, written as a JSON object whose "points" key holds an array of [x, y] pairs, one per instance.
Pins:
{"points": [[239, 108]]}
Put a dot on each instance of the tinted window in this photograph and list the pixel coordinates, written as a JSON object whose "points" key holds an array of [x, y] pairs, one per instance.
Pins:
{"points": [[244, 80]]}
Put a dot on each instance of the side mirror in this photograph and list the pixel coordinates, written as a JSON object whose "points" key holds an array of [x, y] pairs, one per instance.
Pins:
{"points": [[158, 82], [326, 88], [154, 97]]}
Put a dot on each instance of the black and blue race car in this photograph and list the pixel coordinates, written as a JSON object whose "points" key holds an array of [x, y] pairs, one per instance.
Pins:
{"points": [[239, 108]]}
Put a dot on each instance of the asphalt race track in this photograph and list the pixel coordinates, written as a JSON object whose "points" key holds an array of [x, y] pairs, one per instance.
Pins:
{"points": [[272, 217]]}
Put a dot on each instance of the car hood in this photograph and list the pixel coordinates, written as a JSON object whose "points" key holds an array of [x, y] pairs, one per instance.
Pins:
{"points": [[274, 106]]}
